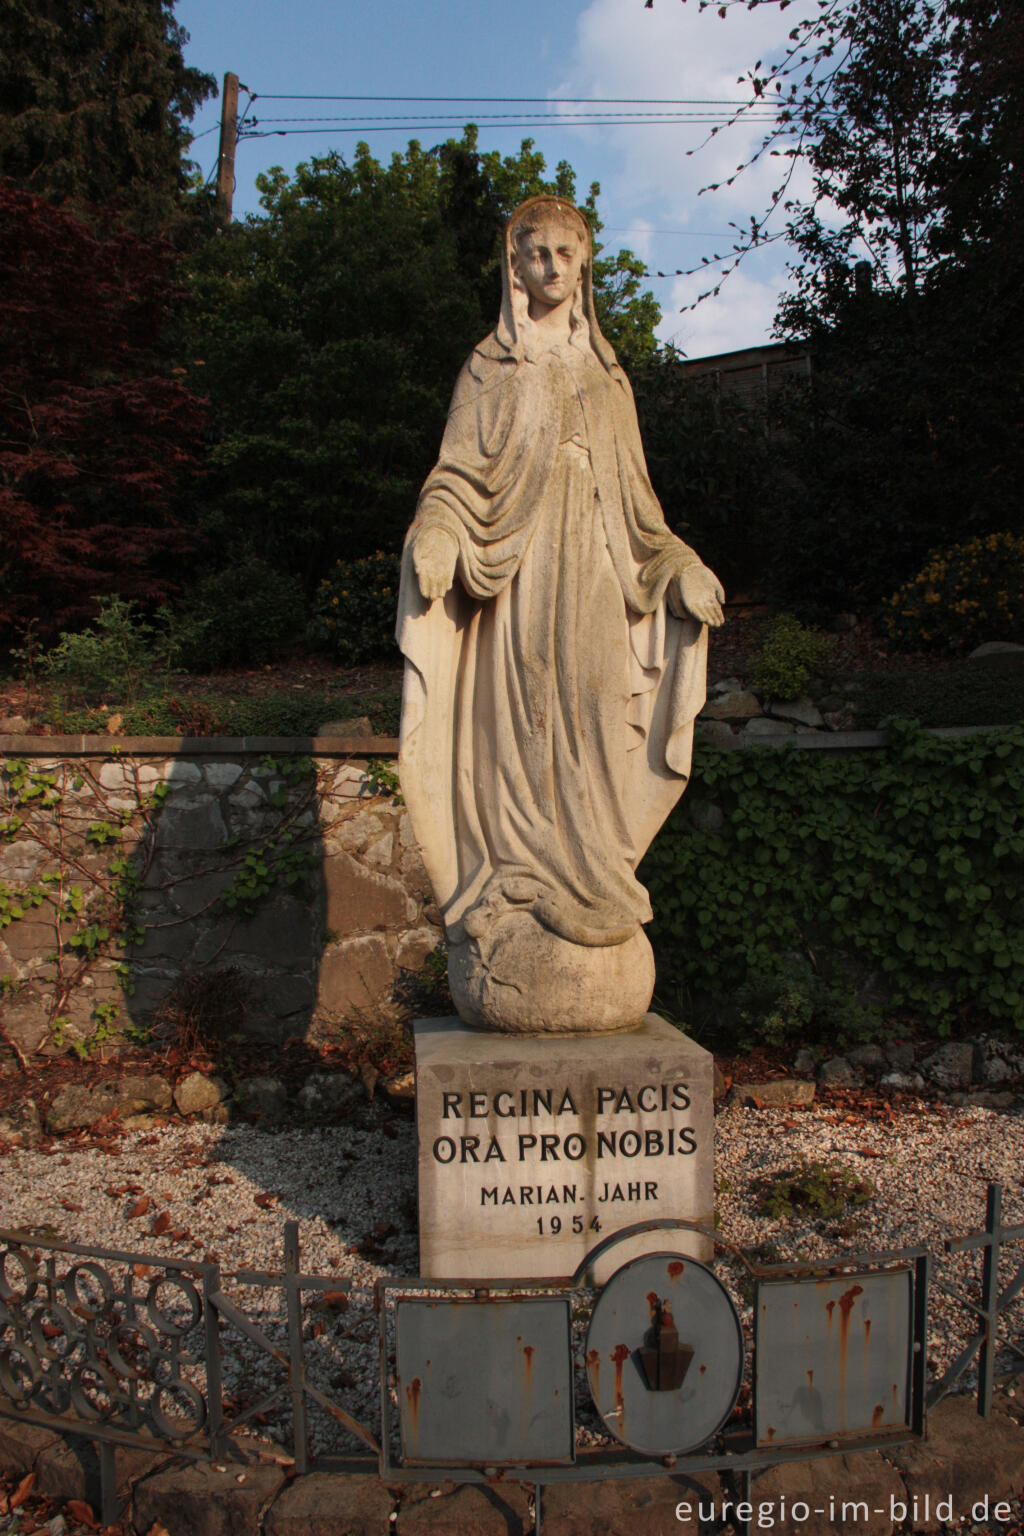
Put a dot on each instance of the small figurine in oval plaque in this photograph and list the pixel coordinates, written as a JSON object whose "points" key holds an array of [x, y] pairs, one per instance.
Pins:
{"points": [[554, 632]]}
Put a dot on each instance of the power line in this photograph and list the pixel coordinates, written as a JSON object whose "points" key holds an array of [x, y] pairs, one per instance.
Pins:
{"points": [[495, 117], [597, 101], [406, 127]]}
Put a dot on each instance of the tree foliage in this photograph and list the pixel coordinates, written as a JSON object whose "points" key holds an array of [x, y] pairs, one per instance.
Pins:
{"points": [[95, 101], [95, 427], [329, 332], [906, 286], [714, 468]]}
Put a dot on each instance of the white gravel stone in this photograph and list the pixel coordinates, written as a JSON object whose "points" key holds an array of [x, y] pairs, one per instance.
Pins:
{"points": [[351, 1189]]}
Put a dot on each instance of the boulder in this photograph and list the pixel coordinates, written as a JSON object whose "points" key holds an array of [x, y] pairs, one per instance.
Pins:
{"points": [[197, 1092], [840, 1072], [800, 711], [739, 705], [76, 1107], [777, 1093], [266, 1097], [136, 1095], [22, 1123], [329, 1095], [951, 1066], [996, 648]]}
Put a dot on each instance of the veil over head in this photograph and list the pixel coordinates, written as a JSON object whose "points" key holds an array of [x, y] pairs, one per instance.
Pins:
{"points": [[513, 323]]}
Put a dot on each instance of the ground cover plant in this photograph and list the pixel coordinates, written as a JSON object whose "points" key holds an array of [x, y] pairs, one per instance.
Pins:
{"points": [[852, 888]]}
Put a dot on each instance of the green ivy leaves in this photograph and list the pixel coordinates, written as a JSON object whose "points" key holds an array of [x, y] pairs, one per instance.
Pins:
{"points": [[908, 862]]}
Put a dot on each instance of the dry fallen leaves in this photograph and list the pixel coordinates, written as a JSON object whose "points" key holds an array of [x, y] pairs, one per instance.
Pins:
{"points": [[23, 1490], [139, 1208], [79, 1510]]}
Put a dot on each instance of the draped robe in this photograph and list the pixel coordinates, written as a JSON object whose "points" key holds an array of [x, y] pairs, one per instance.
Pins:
{"points": [[549, 699]]}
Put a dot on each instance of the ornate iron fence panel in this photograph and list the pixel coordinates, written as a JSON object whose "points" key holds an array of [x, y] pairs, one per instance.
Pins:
{"points": [[129, 1349], [120, 1346]]}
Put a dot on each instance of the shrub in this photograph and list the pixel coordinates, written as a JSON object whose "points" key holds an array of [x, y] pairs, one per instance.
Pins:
{"points": [[962, 596], [355, 608], [244, 615], [787, 655], [119, 656]]}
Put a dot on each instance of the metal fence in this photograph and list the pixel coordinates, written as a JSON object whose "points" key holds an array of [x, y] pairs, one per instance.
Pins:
{"points": [[129, 1349]]}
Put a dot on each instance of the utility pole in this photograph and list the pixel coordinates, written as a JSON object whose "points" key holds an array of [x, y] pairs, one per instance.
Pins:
{"points": [[228, 135]]}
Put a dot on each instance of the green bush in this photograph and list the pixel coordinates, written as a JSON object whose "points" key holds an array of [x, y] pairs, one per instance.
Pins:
{"points": [[245, 615], [787, 655], [355, 609], [962, 596], [989, 692], [118, 658], [898, 874], [793, 1005]]}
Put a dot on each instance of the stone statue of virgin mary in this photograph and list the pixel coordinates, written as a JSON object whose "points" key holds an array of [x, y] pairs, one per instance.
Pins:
{"points": [[555, 644]]}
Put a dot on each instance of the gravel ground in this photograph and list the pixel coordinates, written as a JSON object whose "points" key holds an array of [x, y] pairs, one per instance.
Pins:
{"points": [[194, 1192]]}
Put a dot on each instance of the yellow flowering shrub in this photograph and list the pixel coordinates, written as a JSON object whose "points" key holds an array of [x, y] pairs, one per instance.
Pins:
{"points": [[962, 596], [355, 608]]}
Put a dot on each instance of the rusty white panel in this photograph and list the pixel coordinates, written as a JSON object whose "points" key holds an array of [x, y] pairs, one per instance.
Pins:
{"points": [[833, 1356], [484, 1381]]}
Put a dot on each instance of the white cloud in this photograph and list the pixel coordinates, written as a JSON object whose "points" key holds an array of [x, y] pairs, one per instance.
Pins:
{"points": [[741, 315], [651, 185], [677, 51]]}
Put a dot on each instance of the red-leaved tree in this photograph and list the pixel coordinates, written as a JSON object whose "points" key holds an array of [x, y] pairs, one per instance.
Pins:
{"points": [[96, 428]]}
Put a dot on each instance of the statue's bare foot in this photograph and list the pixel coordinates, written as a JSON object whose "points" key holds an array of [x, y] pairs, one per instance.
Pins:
{"points": [[435, 554]]}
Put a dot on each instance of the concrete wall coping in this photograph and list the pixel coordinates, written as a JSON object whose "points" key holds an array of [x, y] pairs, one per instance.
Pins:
{"points": [[846, 741], [197, 746], [387, 746]]}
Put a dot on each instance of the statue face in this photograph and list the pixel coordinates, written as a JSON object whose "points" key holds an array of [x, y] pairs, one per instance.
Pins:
{"points": [[549, 260]]}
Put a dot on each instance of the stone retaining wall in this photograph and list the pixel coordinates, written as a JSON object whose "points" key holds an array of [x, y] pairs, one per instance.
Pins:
{"points": [[275, 881], [287, 880]]}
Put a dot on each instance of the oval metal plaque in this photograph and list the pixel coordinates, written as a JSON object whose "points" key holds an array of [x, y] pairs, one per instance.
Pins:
{"points": [[664, 1354]]}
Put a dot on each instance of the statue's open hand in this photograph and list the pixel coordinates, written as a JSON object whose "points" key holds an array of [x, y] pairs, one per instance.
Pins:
{"points": [[697, 591], [434, 554]]}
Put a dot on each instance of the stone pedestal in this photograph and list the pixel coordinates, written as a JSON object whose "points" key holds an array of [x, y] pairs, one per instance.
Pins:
{"points": [[533, 1150]]}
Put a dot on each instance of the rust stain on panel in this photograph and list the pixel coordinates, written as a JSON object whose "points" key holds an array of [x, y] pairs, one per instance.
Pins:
{"points": [[675, 1269], [413, 1392], [619, 1356]]}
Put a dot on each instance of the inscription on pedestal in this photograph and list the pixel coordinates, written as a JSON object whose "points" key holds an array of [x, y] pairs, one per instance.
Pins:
{"points": [[530, 1157]]}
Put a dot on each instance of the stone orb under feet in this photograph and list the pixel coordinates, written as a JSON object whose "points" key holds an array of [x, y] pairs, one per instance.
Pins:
{"points": [[523, 979]]}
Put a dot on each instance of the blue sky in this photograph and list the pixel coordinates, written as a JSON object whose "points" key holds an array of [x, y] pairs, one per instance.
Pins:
{"points": [[562, 48]]}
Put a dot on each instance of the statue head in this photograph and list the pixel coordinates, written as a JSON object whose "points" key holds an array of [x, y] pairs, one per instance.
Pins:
{"points": [[548, 254], [549, 247]]}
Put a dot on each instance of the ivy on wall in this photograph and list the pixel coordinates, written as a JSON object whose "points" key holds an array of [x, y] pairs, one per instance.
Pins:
{"points": [[898, 874], [77, 848]]}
